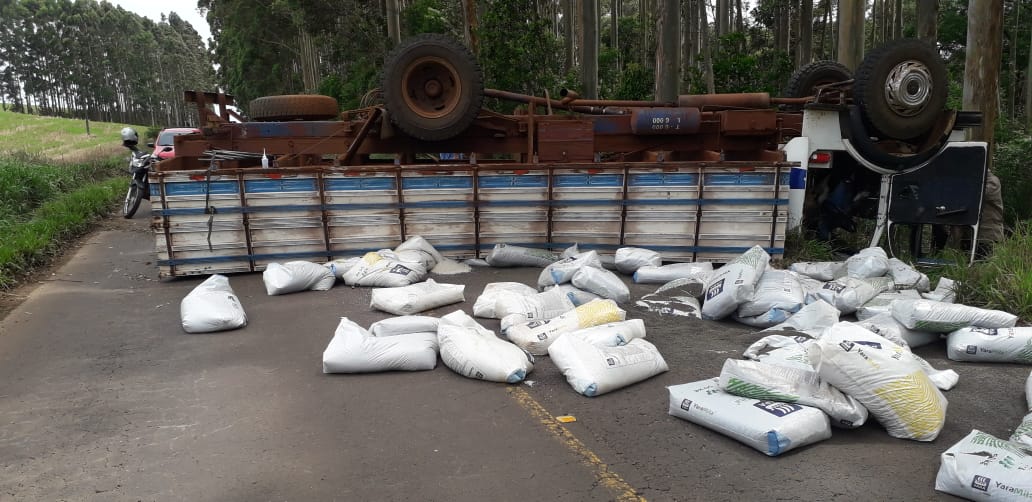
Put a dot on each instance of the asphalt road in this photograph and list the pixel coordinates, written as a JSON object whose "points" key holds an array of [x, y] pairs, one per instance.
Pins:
{"points": [[103, 397]]}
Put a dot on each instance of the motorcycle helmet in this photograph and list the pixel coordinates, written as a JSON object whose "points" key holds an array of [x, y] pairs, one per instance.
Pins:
{"points": [[129, 137]]}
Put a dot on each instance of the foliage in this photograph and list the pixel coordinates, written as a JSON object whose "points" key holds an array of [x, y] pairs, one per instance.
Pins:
{"points": [[1003, 281], [802, 247], [1010, 164], [636, 82]]}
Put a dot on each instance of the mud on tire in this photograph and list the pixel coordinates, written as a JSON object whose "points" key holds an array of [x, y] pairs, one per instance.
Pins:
{"points": [[293, 107]]}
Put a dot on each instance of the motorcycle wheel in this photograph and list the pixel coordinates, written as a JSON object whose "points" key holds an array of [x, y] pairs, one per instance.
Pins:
{"points": [[132, 200]]}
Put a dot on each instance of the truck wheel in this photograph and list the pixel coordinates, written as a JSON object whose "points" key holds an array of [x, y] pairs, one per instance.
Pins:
{"points": [[432, 87], [805, 79], [293, 107], [901, 89]]}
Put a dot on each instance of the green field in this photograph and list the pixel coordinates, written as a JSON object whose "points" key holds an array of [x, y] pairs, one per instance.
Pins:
{"points": [[57, 139]]}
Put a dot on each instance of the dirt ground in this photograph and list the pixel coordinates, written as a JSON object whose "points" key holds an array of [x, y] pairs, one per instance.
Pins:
{"points": [[103, 397]]}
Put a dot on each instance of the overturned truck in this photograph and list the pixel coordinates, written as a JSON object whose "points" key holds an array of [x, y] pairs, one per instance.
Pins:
{"points": [[702, 178]]}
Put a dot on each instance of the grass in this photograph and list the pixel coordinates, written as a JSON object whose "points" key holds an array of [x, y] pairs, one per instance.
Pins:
{"points": [[58, 139], [1004, 280]]}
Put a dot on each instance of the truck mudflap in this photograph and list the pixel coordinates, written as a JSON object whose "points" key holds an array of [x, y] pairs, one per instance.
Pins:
{"points": [[240, 220]]}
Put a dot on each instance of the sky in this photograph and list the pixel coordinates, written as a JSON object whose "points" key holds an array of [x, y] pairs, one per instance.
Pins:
{"points": [[186, 9]]}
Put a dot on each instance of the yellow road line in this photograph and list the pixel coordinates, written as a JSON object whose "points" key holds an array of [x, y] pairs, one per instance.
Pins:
{"points": [[610, 480]]}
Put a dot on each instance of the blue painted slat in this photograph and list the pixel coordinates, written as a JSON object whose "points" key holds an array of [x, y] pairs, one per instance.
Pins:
{"points": [[588, 180], [664, 179], [739, 179], [432, 182], [342, 184], [280, 185], [199, 187], [514, 181]]}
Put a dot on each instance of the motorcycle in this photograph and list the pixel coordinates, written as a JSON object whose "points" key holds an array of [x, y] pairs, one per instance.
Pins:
{"points": [[139, 168]]}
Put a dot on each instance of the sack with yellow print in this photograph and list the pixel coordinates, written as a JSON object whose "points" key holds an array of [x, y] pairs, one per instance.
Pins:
{"points": [[535, 336], [884, 377], [374, 270]]}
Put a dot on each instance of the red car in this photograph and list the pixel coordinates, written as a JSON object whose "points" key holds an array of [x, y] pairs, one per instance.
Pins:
{"points": [[163, 147]]}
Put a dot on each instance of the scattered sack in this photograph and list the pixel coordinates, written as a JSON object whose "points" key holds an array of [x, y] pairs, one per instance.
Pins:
{"points": [[628, 260], [869, 262], [416, 248], [593, 370], [403, 325], [515, 309], [945, 291], [939, 317], [416, 298], [1023, 432], [563, 270], [981, 467], [373, 270], [888, 327], [339, 266], [1028, 390], [505, 255], [821, 270], [473, 351], [211, 306], [812, 319], [768, 426], [603, 283], [786, 384], [485, 304], [576, 295], [768, 319], [734, 283], [353, 350], [882, 303], [535, 336], [611, 334], [663, 274], [990, 345], [907, 277], [570, 252], [884, 377], [847, 293], [777, 296], [676, 298], [787, 351], [809, 284], [295, 276]]}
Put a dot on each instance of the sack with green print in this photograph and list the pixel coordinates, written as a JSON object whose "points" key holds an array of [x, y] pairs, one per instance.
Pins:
{"points": [[939, 317], [991, 345]]}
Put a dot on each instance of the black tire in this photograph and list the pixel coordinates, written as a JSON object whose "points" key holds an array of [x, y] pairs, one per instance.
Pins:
{"points": [[293, 107], [433, 87], [917, 104], [132, 200], [805, 79]]}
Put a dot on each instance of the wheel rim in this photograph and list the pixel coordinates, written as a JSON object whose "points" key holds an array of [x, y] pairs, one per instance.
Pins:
{"points": [[129, 197], [908, 88], [432, 88]]}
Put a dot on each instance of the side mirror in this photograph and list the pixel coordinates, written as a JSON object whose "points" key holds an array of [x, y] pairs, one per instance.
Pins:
{"points": [[167, 149], [150, 145]]}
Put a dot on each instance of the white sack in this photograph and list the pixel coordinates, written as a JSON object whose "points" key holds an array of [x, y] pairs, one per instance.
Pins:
{"points": [[403, 325], [791, 385], [776, 289], [1028, 390], [211, 306], [374, 270], [611, 334], [982, 467], [608, 261], [603, 283], [882, 303], [473, 351], [907, 277], [515, 309], [570, 252], [485, 304], [884, 377], [666, 273], [991, 345], [945, 291], [809, 284], [576, 295], [1023, 432], [535, 336], [592, 370], [847, 293], [768, 319], [353, 350], [505, 255], [341, 265], [788, 351], [734, 283], [628, 260], [294, 276], [427, 254], [416, 298], [673, 301], [821, 270], [563, 270], [869, 262], [768, 426], [812, 319], [888, 327], [939, 317]]}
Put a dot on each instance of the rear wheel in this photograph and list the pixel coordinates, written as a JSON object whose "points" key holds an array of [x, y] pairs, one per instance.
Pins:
{"points": [[132, 200], [293, 107], [901, 89], [804, 81]]}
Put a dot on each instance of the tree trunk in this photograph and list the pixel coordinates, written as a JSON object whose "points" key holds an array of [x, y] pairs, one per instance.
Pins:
{"points": [[614, 30], [1013, 87], [721, 18], [851, 33], [569, 35], [704, 45], [469, 12], [739, 21], [805, 53], [393, 22], [667, 57], [897, 21], [928, 20], [689, 32], [309, 61], [1028, 84], [982, 65], [782, 25], [589, 48]]}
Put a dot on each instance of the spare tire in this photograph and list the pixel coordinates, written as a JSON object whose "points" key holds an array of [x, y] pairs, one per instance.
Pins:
{"points": [[805, 79], [432, 87], [293, 107], [901, 89]]}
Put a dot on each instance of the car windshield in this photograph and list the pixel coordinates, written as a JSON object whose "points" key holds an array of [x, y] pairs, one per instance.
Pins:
{"points": [[165, 138]]}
